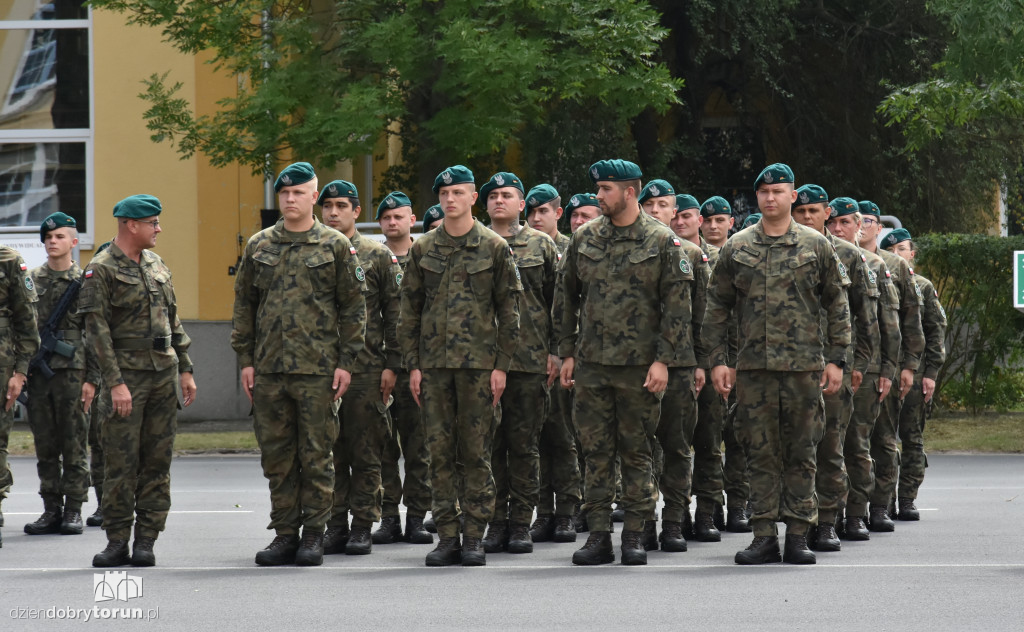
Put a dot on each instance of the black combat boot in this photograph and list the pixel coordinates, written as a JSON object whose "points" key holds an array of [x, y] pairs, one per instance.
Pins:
{"points": [[650, 535], [279, 552], [704, 528], [908, 510], [473, 553], [824, 538], [855, 529], [763, 550], [335, 539], [719, 515], [565, 530], [360, 542], [796, 550], [142, 551], [633, 553], [736, 520], [429, 524], [543, 528], [49, 522], [597, 550], [687, 525], [618, 514], [414, 531], [671, 537], [879, 520], [116, 554], [496, 540], [311, 548], [71, 522], [518, 540], [892, 508], [96, 519], [389, 531], [448, 552]]}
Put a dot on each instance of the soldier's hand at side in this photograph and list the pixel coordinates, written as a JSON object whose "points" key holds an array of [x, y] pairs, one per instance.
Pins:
{"points": [[831, 379], [188, 388], [497, 385], [928, 387], [248, 381], [88, 394], [387, 384], [699, 379], [855, 379], [554, 367], [906, 382], [342, 379], [415, 377], [568, 366], [14, 386], [657, 378], [121, 400], [722, 380], [884, 385]]}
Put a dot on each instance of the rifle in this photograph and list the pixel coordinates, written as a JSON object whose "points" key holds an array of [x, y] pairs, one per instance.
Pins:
{"points": [[49, 342]]}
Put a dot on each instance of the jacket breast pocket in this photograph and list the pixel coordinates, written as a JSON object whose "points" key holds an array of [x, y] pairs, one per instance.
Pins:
{"points": [[481, 277], [803, 269], [265, 267], [321, 271], [747, 268], [127, 290], [433, 269], [531, 271], [589, 262], [644, 265]]}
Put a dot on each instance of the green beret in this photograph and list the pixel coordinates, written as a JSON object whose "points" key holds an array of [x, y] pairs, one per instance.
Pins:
{"points": [[394, 199], [55, 221], [842, 206], [501, 180], [433, 214], [752, 219], [616, 170], [774, 174], [581, 199], [295, 173], [540, 194], [655, 188], [810, 194], [456, 174], [896, 236], [684, 201], [103, 247], [715, 206], [867, 207], [339, 189], [137, 207]]}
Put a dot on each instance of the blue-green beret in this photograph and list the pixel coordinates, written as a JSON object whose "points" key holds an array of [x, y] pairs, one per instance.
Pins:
{"points": [[715, 205], [433, 214], [55, 221], [752, 219], [581, 199], [339, 189], [540, 194], [684, 201], [810, 194], [616, 170], [896, 236], [655, 188], [842, 206], [774, 174], [295, 173], [501, 180], [137, 207], [395, 199], [867, 207], [456, 174]]}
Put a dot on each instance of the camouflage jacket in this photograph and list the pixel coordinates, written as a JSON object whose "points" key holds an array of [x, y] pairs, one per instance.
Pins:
{"points": [[862, 293], [50, 287], [19, 338], [561, 243], [774, 287], [709, 250], [698, 305], [910, 299], [623, 296], [536, 257], [299, 306], [886, 363], [383, 278], [933, 321], [460, 302], [129, 307]]}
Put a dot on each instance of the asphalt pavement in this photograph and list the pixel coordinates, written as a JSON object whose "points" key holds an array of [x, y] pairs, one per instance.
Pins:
{"points": [[960, 568]]}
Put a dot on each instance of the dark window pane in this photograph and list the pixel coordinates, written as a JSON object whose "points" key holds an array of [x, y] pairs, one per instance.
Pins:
{"points": [[37, 179]]}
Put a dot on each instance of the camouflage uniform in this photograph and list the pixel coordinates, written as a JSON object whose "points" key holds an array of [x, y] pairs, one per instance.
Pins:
{"points": [[299, 314], [622, 303], [883, 437], [459, 322], [515, 457], [364, 422], [133, 331], [913, 459], [774, 287], [19, 341], [60, 428]]}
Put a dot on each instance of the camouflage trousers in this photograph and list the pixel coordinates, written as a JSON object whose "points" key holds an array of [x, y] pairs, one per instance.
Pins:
{"points": [[60, 430], [6, 424], [913, 459], [707, 447], [559, 461], [617, 417], [295, 427], [735, 477], [857, 447], [674, 434], [780, 419], [98, 413], [515, 455], [460, 424], [831, 481], [408, 442], [883, 449], [138, 450], [364, 429]]}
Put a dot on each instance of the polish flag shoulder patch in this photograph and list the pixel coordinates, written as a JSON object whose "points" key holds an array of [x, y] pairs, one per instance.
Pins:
{"points": [[704, 257], [352, 250], [675, 241], [24, 267], [394, 259], [88, 274]]}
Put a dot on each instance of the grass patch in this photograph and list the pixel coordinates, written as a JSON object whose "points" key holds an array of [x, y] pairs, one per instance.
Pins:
{"points": [[991, 432], [185, 443]]}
